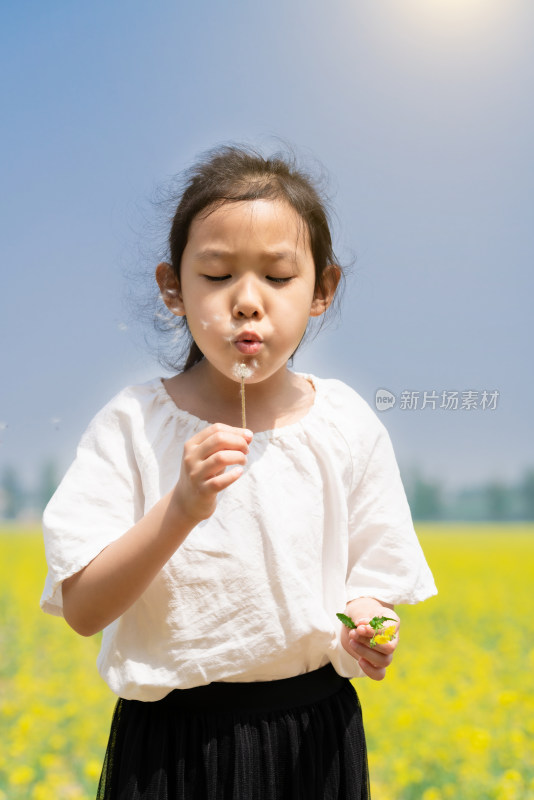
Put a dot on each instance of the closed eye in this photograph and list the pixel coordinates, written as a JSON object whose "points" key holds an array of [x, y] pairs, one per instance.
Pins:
{"points": [[271, 278]]}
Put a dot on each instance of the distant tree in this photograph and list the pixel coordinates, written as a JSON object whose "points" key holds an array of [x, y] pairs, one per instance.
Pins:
{"points": [[526, 491], [497, 500], [48, 483], [469, 504], [425, 499], [14, 496]]}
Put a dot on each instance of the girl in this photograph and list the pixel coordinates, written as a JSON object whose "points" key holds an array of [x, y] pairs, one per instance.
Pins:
{"points": [[215, 556]]}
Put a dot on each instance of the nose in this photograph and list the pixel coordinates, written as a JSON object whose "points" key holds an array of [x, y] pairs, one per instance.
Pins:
{"points": [[247, 302]]}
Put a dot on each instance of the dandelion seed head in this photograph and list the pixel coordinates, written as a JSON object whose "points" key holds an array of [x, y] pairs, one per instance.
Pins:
{"points": [[242, 370]]}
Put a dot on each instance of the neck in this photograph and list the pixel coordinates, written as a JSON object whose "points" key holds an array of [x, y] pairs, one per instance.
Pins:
{"points": [[279, 400], [271, 395]]}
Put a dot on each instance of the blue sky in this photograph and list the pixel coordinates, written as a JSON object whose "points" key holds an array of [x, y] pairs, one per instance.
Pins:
{"points": [[419, 110]]}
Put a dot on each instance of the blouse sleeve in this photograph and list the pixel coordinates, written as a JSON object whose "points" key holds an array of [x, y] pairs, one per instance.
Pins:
{"points": [[385, 558], [99, 499]]}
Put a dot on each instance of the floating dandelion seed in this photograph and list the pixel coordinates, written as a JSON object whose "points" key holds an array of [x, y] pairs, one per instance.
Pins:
{"points": [[176, 336], [122, 326], [55, 422]]}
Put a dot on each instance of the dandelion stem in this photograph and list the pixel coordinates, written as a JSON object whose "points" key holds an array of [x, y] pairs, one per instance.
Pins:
{"points": [[243, 414]]}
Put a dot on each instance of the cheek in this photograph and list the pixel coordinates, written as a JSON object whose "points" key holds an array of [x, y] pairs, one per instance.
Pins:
{"points": [[205, 320], [302, 304]]}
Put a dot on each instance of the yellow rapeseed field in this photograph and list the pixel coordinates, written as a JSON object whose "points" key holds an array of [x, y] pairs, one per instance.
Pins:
{"points": [[453, 719]]}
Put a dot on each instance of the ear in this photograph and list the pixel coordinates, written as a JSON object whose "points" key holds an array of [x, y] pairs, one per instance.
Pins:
{"points": [[325, 290], [170, 289]]}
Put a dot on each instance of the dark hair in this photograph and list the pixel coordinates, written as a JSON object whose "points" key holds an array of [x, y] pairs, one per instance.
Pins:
{"points": [[236, 173]]}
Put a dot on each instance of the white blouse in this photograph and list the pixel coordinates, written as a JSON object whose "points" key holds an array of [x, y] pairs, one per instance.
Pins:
{"points": [[318, 518]]}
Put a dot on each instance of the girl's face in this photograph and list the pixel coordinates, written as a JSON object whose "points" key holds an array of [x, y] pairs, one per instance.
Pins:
{"points": [[247, 286]]}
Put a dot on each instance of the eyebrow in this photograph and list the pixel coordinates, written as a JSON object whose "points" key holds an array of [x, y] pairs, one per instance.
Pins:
{"points": [[269, 255], [206, 255]]}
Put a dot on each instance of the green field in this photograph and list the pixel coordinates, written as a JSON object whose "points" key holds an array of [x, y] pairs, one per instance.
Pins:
{"points": [[453, 719]]}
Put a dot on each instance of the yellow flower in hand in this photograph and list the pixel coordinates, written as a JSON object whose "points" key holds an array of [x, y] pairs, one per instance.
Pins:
{"points": [[384, 635]]}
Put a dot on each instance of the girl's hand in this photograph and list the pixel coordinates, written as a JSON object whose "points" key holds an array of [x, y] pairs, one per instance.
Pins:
{"points": [[373, 659], [203, 473]]}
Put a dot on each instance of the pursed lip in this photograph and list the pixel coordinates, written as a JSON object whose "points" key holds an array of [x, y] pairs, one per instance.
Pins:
{"points": [[248, 336], [248, 343]]}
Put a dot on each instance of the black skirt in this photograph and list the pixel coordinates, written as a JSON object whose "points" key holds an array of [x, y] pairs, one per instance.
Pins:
{"points": [[300, 738]]}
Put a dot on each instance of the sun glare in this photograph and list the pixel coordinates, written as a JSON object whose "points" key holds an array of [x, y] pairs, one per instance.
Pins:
{"points": [[472, 28], [455, 16]]}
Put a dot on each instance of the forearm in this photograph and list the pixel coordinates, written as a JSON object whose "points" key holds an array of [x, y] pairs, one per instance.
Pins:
{"points": [[116, 578]]}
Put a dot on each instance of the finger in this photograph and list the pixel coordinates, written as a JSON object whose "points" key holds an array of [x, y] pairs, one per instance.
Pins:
{"points": [[217, 463], [380, 655], [375, 673], [213, 455], [220, 482], [365, 631], [364, 636], [220, 427], [230, 439]]}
